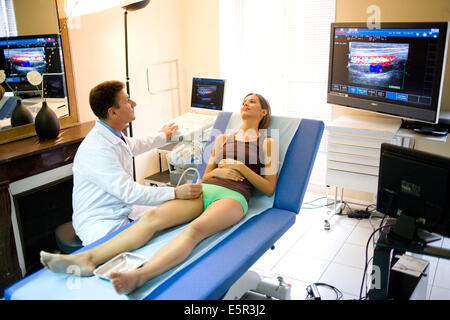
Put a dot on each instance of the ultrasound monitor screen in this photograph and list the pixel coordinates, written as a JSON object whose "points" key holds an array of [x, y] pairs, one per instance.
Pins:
{"points": [[207, 93], [396, 69]]}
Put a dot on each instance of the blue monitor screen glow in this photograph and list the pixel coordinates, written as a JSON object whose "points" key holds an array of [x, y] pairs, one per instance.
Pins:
{"points": [[396, 69]]}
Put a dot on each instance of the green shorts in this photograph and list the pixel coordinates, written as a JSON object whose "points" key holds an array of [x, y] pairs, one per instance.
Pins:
{"points": [[212, 192]]}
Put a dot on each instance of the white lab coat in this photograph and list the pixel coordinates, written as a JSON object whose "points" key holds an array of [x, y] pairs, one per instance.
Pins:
{"points": [[104, 191]]}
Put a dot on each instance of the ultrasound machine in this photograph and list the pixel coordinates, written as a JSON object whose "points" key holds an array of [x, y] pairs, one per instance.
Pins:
{"points": [[206, 103]]}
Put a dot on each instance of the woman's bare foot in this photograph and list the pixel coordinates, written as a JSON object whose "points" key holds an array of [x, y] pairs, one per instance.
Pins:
{"points": [[63, 263], [125, 282]]}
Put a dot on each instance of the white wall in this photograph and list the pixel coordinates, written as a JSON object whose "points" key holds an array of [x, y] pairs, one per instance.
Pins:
{"points": [[200, 38], [188, 30], [164, 30], [96, 42]]}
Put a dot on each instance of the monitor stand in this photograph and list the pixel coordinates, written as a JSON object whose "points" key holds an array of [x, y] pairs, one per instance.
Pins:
{"points": [[430, 129], [406, 233]]}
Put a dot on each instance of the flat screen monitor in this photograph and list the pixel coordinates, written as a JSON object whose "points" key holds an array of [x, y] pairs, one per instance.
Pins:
{"points": [[415, 184], [207, 93], [22, 54], [396, 69]]}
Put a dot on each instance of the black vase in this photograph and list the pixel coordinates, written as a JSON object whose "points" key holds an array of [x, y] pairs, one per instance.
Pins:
{"points": [[46, 123], [21, 115]]}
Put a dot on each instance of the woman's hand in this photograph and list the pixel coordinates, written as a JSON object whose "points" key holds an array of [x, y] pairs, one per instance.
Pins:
{"points": [[231, 164], [227, 173]]}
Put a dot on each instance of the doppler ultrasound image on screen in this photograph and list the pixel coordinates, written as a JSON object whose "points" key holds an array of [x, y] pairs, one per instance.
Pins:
{"points": [[205, 95], [23, 60], [377, 64]]}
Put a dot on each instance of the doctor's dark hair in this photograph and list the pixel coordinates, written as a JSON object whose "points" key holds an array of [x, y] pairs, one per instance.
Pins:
{"points": [[265, 121], [103, 96]]}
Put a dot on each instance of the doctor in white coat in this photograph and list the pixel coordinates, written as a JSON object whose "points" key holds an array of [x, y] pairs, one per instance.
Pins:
{"points": [[104, 192]]}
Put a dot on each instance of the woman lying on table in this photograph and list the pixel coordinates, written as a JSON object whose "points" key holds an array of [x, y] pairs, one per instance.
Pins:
{"points": [[239, 162]]}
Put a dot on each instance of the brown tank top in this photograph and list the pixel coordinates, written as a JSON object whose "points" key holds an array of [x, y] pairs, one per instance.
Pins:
{"points": [[248, 152]]}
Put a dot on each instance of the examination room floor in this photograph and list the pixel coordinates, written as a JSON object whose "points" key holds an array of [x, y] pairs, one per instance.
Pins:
{"points": [[307, 253]]}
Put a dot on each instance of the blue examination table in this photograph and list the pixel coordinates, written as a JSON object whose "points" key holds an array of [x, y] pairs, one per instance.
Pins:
{"points": [[213, 272]]}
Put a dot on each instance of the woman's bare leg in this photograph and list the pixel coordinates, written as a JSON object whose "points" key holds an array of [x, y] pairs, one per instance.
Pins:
{"points": [[169, 214], [218, 216]]}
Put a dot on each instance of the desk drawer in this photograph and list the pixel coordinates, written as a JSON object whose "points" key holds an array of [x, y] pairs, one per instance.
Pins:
{"points": [[352, 167], [351, 158], [351, 180], [354, 150], [355, 141]]}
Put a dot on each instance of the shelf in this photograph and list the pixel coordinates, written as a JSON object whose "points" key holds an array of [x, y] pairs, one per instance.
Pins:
{"points": [[159, 179]]}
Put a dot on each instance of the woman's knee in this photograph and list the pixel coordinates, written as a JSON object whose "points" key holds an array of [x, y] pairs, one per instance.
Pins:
{"points": [[196, 231]]}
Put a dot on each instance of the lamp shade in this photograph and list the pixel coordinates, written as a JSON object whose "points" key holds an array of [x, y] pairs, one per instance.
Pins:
{"points": [[76, 8], [135, 5]]}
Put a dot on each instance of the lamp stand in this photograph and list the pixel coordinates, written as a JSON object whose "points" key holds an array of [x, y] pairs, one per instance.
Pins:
{"points": [[127, 82], [132, 7]]}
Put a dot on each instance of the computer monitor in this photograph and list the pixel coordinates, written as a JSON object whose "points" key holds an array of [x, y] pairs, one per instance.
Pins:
{"points": [[207, 93], [22, 54], [415, 186], [396, 69]]}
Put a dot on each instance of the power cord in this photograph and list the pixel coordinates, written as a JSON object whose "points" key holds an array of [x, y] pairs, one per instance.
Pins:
{"points": [[313, 292], [199, 180], [312, 206], [362, 214], [367, 261]]}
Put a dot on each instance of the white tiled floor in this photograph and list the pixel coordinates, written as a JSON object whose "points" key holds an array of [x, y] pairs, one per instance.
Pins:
{"points": [[308, 253]]}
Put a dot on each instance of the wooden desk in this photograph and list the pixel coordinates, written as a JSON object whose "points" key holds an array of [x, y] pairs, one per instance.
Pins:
{"points": [[22, 159]]}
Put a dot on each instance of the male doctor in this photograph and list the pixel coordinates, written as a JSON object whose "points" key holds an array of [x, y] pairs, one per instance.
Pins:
{"points": [[104, 192]]}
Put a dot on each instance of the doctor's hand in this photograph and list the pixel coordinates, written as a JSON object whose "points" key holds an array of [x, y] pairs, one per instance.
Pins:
{"points": [[168, 129], [188, 191]]}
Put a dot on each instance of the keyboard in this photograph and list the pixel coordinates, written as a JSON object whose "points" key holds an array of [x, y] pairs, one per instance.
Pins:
{"points": [[190, 125], [194, 121]]}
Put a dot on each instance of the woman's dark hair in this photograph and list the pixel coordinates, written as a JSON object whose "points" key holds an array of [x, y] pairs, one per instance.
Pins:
{"points": [[265, 121], [104, 96]]}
